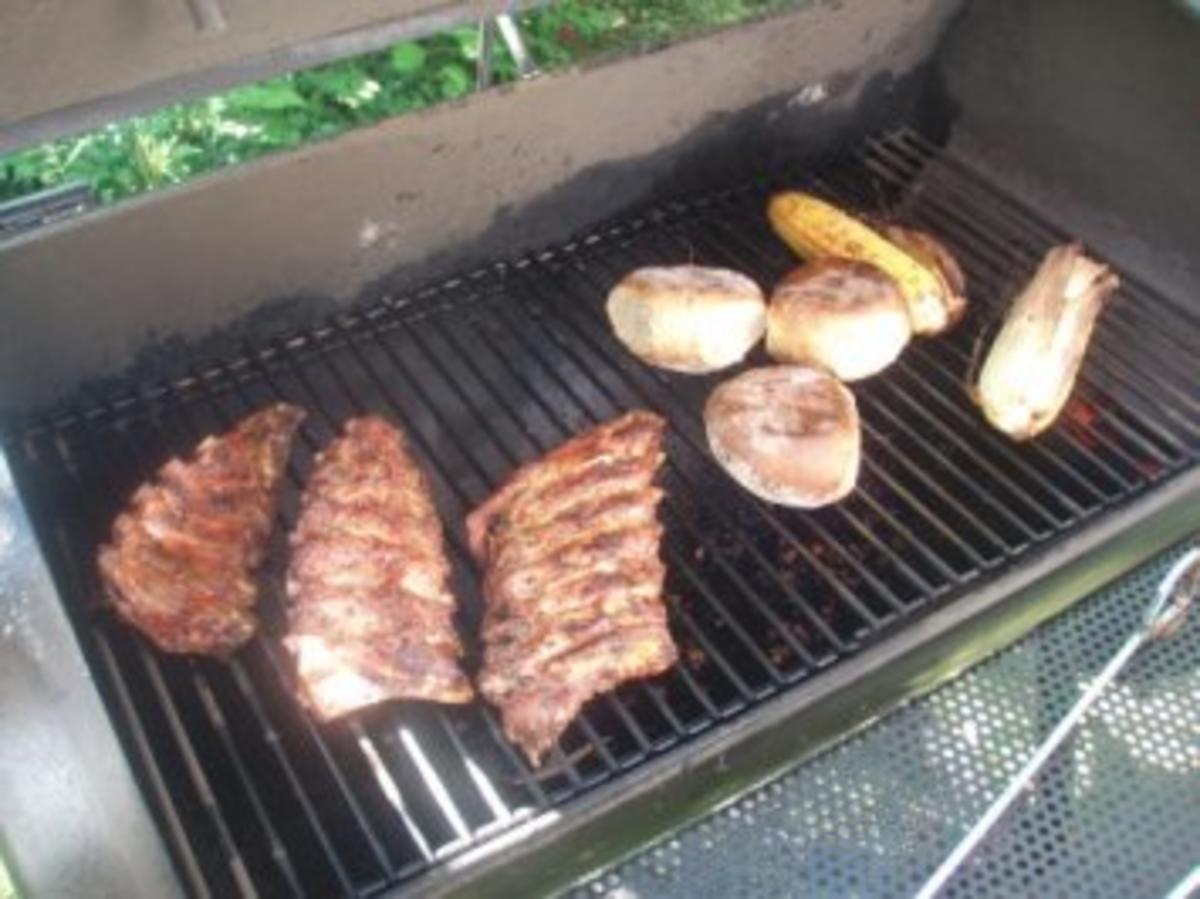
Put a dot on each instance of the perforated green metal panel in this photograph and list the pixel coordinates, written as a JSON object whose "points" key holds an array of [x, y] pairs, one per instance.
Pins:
{"points": [[1117, 812]]}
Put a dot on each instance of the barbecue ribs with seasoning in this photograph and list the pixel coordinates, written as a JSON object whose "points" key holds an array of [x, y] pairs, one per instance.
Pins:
{"points": [[573, 580], [371, 613], [180, 564]]}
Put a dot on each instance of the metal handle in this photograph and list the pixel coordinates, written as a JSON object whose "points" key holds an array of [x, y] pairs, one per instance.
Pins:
{"points": [[208, 15]]}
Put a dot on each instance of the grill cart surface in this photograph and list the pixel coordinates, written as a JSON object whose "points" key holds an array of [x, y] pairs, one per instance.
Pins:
{"points": [[1113, 814]]}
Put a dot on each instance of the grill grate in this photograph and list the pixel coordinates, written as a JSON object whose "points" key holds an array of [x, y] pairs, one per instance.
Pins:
{"points": [[496, 367]]}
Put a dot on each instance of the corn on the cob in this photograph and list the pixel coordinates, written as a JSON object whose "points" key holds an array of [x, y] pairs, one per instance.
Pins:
{"points": [[816, 229], [1031, 368]]}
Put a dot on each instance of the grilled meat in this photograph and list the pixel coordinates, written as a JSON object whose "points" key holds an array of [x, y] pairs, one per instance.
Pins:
{"points": [[371, 615], [573, 580], [180, 564]]}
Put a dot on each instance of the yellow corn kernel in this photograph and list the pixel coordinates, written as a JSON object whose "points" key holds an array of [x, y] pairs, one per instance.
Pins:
{"points": [[816, 229]]}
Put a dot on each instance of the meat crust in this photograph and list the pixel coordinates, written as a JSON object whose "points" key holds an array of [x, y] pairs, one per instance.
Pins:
{"points": [[573, 579], [181, 560], [371, 614]]}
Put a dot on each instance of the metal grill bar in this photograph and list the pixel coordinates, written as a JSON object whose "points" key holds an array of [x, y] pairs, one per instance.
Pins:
{"points": [[1025, 220], [1030, 234], [605, 352], [613, 401], [250, 692], [384, 341], [564, 763], [493, 368], [532, 388], [373, 374], [844, 186], [935, 373], [998, 261], [314, 398], [914, 469]]}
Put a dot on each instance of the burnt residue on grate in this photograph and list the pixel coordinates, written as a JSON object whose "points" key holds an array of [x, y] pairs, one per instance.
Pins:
{"points": [[497, 367]]}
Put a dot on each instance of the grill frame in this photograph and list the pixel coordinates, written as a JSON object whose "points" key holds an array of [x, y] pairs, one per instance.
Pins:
{"points": [[298, 358]]}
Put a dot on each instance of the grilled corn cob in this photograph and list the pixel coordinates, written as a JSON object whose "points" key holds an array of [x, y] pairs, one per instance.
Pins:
{"points": [[816, 229], [1029, 371], [935, 256]]}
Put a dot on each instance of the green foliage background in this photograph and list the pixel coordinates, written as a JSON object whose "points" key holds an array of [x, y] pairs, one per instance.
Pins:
{"points": [[179, 142]]}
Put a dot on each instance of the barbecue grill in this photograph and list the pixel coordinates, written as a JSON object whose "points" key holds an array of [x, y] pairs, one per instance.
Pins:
{"points": [[337, 279]]}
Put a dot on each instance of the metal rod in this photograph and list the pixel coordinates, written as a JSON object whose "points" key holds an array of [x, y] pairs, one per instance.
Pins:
{"points": [[483, 62], [1187, 888], [844, 184], [986, 246], [542, 446], [960, 188], [251, 692], [1029, 770], [510, 33], [1165, 608], [607, 356], [595, 329]]}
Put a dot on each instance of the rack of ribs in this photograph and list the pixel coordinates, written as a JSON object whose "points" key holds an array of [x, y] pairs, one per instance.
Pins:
{"points": [[371, 615], [182, 556], [572, 579]]}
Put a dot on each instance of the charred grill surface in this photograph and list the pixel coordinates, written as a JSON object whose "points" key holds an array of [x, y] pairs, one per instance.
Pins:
{"points": [[180, 564], [372, 613], [573, 579]]}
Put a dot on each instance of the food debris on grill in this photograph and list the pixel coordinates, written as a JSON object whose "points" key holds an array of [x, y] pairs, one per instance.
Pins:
{"points": [[573, 579], [371, 614], [180, 564]]}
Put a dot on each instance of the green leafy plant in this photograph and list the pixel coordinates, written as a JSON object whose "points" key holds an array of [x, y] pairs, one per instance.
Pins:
{"points": [[180, 142]]}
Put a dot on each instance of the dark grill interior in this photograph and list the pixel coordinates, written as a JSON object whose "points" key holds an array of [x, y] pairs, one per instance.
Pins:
{"points": [[498, 366]]}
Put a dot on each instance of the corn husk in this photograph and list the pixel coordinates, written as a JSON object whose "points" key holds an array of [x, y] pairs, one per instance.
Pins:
{"points": [[1030, 370]]}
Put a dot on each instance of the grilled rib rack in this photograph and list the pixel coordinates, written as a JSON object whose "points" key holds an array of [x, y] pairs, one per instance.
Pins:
{"points": [[493, 368]]}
